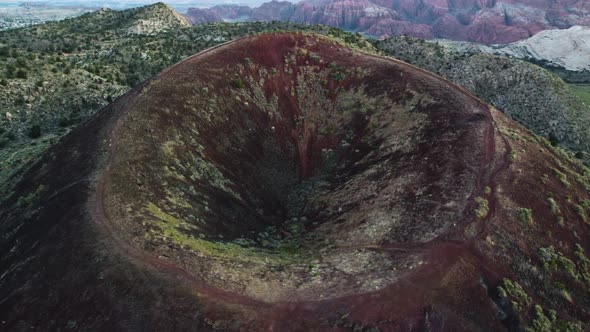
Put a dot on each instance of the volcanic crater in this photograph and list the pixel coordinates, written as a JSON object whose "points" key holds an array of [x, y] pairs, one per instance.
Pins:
{"points": [[287, 181], [275, 165]]}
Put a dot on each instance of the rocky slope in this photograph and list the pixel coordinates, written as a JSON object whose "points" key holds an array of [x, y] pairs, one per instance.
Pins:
{"points": [[568, 49], [146, 20], [156, 18], [484, 21], [525, 92], [288, 182]]}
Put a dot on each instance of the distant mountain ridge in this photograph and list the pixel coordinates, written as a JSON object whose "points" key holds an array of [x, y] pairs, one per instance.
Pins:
{"points": [[483, 21]]}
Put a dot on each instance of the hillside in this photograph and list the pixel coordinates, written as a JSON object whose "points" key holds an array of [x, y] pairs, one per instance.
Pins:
{"points": [[525, 92], [142, 20], [288, 182], [54, 76], [156, 18]]}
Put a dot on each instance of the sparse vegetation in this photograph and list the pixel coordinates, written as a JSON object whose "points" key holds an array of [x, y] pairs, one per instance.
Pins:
{"points": [[553, 205], [513, 292], [561, 176], [560, 221], [173, 230], [581, 212], [550, 322], [555, 261], [583, 263], [512, 155], [238, 83], [542, 320]]}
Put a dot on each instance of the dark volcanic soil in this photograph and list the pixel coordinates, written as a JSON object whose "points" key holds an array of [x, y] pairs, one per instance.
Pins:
{"points": [[286, 182]]}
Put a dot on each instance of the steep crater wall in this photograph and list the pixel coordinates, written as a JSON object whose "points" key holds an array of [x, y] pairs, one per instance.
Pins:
{"points": [[271, 165]]}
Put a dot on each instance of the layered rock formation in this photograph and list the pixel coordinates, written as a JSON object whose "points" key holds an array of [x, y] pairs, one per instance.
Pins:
{"points": [[568, 48], [484, 21]]}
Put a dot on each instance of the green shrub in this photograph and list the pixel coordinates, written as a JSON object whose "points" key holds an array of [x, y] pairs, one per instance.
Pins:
{"points": [[525, 215], [22, 74], [512, 155], [515, 294], [555, 261], [550, 322], [482, 207], [581, 212], [21, 62], [553, 205], [35, 131], [561, 176], [560, 221], [238, 83]]}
